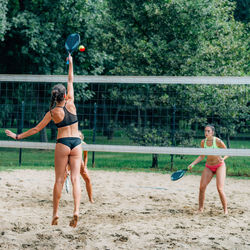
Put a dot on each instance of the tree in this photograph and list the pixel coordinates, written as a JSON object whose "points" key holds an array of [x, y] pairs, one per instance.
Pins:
{"points": [[3, 19], [36, 37], [224, 107], [171, 38], [242, 11], [37, 33]]}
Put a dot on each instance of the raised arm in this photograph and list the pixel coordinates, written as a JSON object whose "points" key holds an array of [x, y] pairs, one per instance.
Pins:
{"points": [[70, 89], [43, 123]]}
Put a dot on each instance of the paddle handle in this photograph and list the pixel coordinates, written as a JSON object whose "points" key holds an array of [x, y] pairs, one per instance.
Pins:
{"points": [[67, 62]]}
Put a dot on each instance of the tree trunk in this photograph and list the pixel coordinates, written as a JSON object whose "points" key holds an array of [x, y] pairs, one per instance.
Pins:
{"points": [[154, 161], [139, 117], [112, 125], [228, 140], [105, 120], [172, 162], [43, 135]]}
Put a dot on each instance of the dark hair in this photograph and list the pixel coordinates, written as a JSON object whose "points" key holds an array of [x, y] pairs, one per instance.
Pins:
{"points": [[57, 94], [211, 126]]}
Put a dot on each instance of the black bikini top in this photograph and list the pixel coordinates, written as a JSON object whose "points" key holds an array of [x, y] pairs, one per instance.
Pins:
{"points": [[68, 119]]}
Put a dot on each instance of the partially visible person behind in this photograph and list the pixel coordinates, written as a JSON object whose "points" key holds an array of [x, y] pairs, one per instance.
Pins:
{"points": [[83, 171], [214, 165]]}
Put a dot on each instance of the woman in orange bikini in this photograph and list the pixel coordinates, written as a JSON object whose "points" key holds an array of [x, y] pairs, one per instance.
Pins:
{"points": [[68, 147], [214, 165]]}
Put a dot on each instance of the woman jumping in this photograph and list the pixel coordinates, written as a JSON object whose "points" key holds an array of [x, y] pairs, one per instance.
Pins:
{"points": [[68, 147], [214, 165]]}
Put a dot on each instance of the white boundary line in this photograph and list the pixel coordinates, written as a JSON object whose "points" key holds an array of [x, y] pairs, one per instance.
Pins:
{"points": [[132, 149]]}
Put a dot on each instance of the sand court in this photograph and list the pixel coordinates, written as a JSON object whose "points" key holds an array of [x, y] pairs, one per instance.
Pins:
{"points": [[131, 211]]}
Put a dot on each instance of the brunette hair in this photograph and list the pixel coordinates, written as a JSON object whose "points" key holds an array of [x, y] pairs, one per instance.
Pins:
{"points": [[211, 126], [57, 94]]}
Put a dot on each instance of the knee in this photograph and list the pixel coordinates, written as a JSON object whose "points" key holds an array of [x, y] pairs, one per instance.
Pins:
{"points": [[87, 179], [84, 175], [203, 188], [82, 171], [59, 181], [74, 179], [220, 190]]}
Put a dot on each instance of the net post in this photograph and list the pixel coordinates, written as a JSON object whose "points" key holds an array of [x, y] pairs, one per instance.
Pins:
{"points": [[94, 133], [173, 136], [20, 129]]}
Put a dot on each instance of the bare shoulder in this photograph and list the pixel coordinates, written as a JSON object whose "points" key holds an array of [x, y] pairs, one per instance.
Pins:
{"points": [[48, 115], [218, 140], [70, 105], [220, 143], [202, 143]]}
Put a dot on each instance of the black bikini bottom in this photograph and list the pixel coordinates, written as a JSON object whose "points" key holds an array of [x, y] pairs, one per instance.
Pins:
{"points": [[71, 142]]}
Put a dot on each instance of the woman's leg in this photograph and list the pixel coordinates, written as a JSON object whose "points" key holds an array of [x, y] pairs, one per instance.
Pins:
{"points": [[61, 160], [85, 176], [75, 159], [206, 177], [220, 181]]}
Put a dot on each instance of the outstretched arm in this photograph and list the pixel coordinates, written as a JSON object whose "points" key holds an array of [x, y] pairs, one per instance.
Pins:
{"points": [[200, 158], [32, 131], [70, 89]]}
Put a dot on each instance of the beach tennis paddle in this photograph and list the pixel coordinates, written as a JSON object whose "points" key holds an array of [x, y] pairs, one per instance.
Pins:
{"points": [[178, 174], [72, 43], [67, 184]]}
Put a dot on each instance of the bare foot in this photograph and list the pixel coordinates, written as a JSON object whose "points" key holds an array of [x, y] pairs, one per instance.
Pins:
{"points": [[225, 212], [91, 201], [54, 221], [73, 222], [200, 210]]}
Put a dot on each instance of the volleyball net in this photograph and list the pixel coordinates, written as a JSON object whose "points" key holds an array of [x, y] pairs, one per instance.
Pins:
{"points": [[133, 114]]}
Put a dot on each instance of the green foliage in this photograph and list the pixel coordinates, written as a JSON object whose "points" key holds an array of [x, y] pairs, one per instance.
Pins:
{"points": [[3, 19], [149, 136], [224, 106], [176, 38], [173, 38], [162, 37], [137, 37], [35, 43], [242, 11], [82, 93]]}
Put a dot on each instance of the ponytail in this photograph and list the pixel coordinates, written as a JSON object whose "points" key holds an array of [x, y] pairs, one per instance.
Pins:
{"points": [[57, 95], [53, 99]]}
